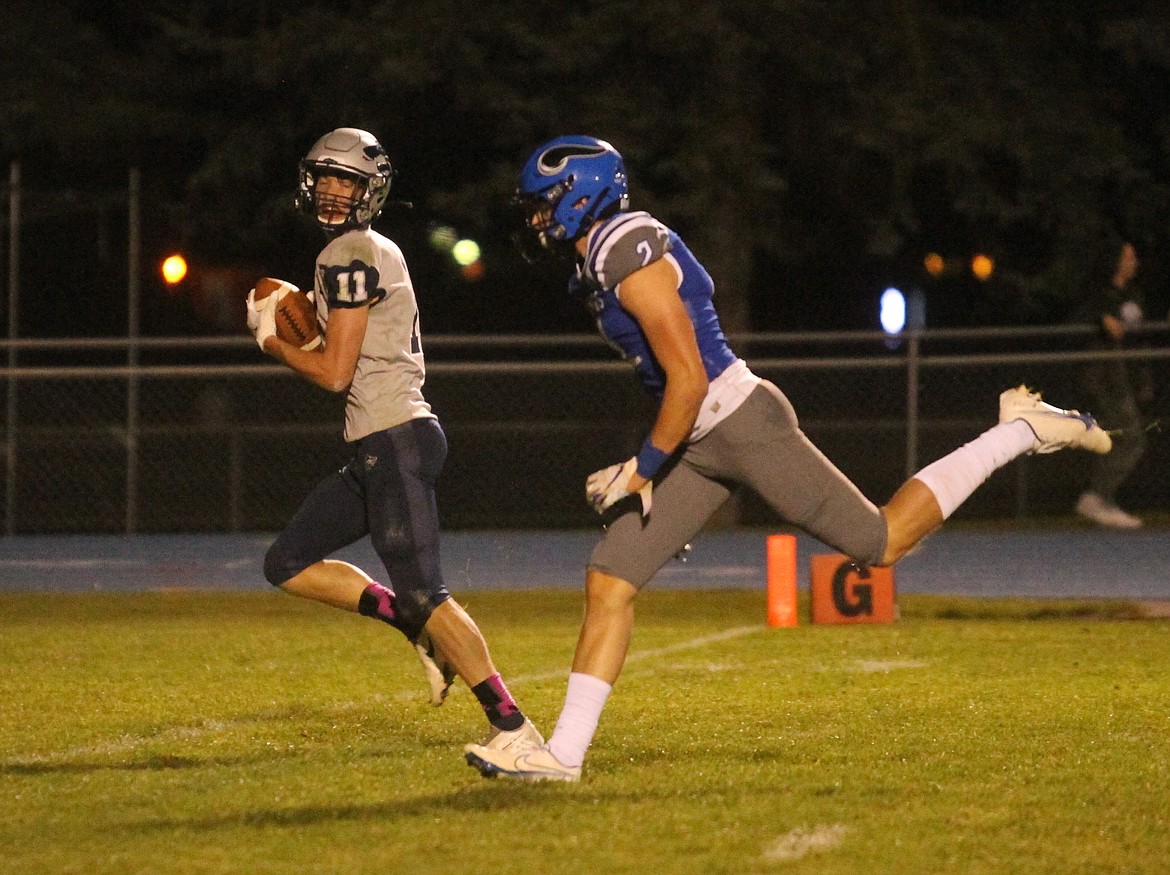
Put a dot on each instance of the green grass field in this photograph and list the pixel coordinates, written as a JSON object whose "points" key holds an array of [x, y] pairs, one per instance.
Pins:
{"points": [[229, 732]]}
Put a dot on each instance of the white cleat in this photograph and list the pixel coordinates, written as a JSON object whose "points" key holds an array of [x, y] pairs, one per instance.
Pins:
{"points": [[515, 741], [1105, 513], [1054, 428], [440, 673], [532, 765]]}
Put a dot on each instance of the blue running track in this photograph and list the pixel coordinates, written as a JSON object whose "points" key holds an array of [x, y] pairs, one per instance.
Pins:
{"points": [[1071, 562]]}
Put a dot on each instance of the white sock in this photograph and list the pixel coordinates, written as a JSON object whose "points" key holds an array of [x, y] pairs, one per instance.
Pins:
{"points": [[955, 476], [584, 700]]}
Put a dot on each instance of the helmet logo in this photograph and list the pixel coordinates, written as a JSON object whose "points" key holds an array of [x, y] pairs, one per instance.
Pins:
{"points": [[556, 159]]}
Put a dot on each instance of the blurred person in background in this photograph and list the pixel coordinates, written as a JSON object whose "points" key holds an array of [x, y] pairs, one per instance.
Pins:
{"points": [[718, 426], [372, 352], [1114, 387]]}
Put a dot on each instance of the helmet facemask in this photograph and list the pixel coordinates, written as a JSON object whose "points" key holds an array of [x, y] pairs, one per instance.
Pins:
{"points": [[340, 206], [540, 234]]}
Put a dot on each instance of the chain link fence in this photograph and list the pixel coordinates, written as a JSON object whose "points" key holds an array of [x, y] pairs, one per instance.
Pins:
{"points": [[161, 447]]}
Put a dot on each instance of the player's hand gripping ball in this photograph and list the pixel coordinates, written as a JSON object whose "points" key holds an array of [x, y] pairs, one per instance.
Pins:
{"points": [[279, 307]]}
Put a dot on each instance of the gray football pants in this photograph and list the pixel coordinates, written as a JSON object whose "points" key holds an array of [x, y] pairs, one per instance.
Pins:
{"points": [[760, 446]]}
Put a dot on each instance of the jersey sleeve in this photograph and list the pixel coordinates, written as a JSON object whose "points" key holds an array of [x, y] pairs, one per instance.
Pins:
{"points": [[352, 285], [628, 244], [351, 274]]}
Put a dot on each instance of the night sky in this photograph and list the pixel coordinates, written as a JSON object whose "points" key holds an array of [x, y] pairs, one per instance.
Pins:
{"points": [[835, 150]]}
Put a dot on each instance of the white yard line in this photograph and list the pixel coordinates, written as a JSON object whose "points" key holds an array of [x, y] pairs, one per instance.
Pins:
{"points": [[211, 728], [639, 655], [800, 843]]}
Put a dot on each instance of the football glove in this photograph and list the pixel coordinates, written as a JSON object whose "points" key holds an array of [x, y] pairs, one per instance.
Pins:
{"points": [[262, 316], [607, 487]]}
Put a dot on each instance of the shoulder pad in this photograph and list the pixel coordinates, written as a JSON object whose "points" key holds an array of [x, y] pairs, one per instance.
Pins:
{"points": [[627, 243]]}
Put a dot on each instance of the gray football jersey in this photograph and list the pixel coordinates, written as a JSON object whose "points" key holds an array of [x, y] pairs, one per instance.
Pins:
{"points": [[362, 268]]}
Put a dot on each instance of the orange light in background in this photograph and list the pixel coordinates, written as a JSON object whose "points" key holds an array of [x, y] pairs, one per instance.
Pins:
{"points": [[174, 268], [982, 266], [473, 272], [934, 264]]}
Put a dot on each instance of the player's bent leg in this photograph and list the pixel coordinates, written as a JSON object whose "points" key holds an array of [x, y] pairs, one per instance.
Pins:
{"points": [[331, 582], [341, 585], [332, 516], [762, 446], [402, 464]]}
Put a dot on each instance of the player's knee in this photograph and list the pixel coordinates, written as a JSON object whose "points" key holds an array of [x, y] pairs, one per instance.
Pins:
{"points": [[877, 550], [415, 575], [415, 607], [608, 592], [282, 565], [632, 566], [864, 538]]}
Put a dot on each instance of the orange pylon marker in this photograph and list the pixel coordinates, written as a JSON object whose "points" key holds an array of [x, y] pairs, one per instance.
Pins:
{"points": [[841, 591], [781, 580]]}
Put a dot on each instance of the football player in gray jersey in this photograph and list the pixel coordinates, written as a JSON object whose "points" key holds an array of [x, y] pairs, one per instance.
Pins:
{"points": [[373, 353], [718, 426]]}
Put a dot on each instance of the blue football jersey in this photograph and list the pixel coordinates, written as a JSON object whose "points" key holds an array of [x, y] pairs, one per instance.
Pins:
{"points": [[628, 242]]}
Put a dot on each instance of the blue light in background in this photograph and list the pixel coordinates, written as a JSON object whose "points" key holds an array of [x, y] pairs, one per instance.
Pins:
{"points": [[892, 311]]}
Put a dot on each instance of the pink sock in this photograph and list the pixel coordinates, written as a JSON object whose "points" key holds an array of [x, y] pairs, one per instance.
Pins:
{"points": [[499, 706]]}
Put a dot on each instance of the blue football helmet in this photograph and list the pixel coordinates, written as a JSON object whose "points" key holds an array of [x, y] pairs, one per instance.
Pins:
{"points": [[354, 154], [568, 184]]}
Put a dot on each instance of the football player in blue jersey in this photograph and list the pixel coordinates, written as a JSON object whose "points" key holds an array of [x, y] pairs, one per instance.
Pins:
{"points": [[718, 425], [373, 353]]}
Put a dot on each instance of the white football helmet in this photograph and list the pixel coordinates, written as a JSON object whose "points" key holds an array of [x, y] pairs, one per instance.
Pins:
{"points": [[349, 153]]}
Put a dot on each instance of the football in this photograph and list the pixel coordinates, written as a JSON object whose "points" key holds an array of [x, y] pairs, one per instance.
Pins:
{"points": [[296, 315]]}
